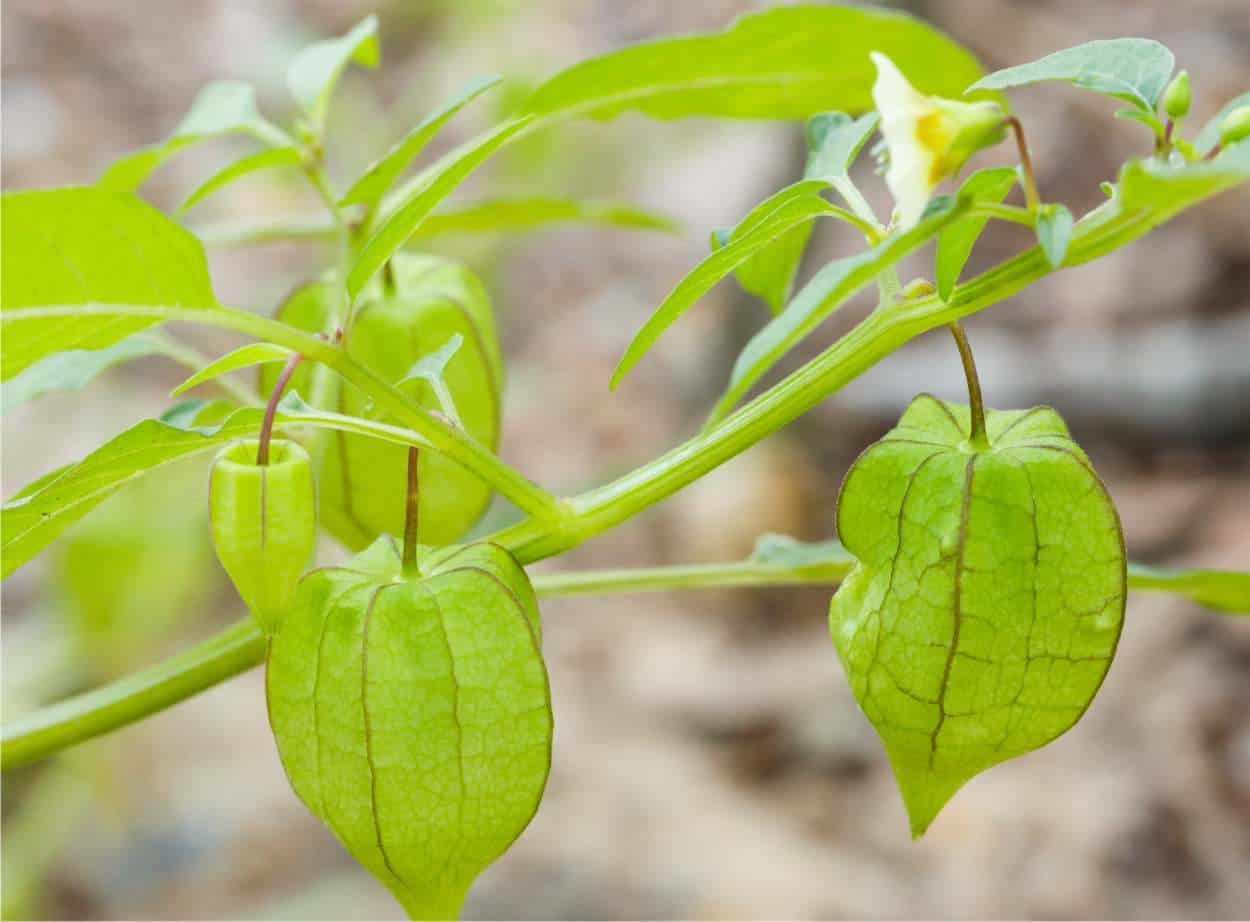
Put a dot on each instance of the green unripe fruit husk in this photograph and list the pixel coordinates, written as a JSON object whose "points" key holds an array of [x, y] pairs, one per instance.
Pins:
{"points": [[1236, 126], [1178, 96], [988, 596], [264, 523], [363, 480], [413, 715]]}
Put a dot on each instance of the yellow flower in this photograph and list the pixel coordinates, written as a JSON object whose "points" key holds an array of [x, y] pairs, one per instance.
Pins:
{"points": [[929, 138]]}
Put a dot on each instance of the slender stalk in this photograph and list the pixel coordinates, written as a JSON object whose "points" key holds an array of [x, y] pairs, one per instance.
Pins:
{"points": [[1001, 212], [977, 406], [242, 646], [271, 409], [1026, 164], [412, 514]]}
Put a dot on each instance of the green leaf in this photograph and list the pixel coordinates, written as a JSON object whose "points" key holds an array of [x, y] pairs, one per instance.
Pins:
{"points": [[430, 368], [409, 211], [84, 245], [793, 206], [221, 108], [515, 214], [769, 274], [381, 175], [30, 522], [261, 160], [784, 551], [1054, 232], [955, 243], [1146, 117], [1209, 136], [785, 63], [73, 370], [413, 716], [989, 594], [314, 72], [1132, 69], [243, 357], [828, 290], [1170, 188], [834, 141], [1226, 590]]}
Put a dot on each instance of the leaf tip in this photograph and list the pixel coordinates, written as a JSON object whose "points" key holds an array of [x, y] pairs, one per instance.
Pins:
{"points": [[925, 791]]}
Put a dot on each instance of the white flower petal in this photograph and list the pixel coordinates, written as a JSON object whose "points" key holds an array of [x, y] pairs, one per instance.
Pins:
{"points": [[912, 163]]}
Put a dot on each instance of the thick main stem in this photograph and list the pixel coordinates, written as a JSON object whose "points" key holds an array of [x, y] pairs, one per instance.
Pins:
{"points": [[412, 514], [977, 432], [271, 409]]}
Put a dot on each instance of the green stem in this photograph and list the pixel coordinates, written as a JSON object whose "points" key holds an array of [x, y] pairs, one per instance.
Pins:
{"points": [[241, 646], [30, 738], [1012, 213]]}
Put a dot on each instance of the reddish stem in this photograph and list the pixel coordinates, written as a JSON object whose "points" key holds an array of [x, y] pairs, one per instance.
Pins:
{"points": [[271, 409], [412, 514], [1026, 163]]}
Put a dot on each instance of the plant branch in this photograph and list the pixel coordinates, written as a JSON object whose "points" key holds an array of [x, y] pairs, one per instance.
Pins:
{"points": [[438, 434], [242, 646]]}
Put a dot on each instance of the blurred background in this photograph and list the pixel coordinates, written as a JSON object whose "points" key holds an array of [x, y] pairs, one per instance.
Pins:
{"points": [[710, 760]]}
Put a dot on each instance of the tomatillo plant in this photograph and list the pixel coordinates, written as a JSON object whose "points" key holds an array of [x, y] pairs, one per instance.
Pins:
{"points": [[983, 575]]}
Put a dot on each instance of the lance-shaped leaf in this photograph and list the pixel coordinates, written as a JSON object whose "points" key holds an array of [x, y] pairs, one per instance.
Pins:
{"points": [[834, 141], [1132, 69], [381, 175], [261, 160], [769, 274], [221, 108], [988, 596], [243, 357], [413, 716], [517, 214], [91, 247], [955, 243], [75, 369], [35, 517], [314, 72], [439, 181], [828, 290], [793, 206], [784, 63]]}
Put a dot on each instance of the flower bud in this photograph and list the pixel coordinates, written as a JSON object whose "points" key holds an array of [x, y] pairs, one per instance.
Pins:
{"points": [[1177, 97], [264, 523], [1236, 126]]}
